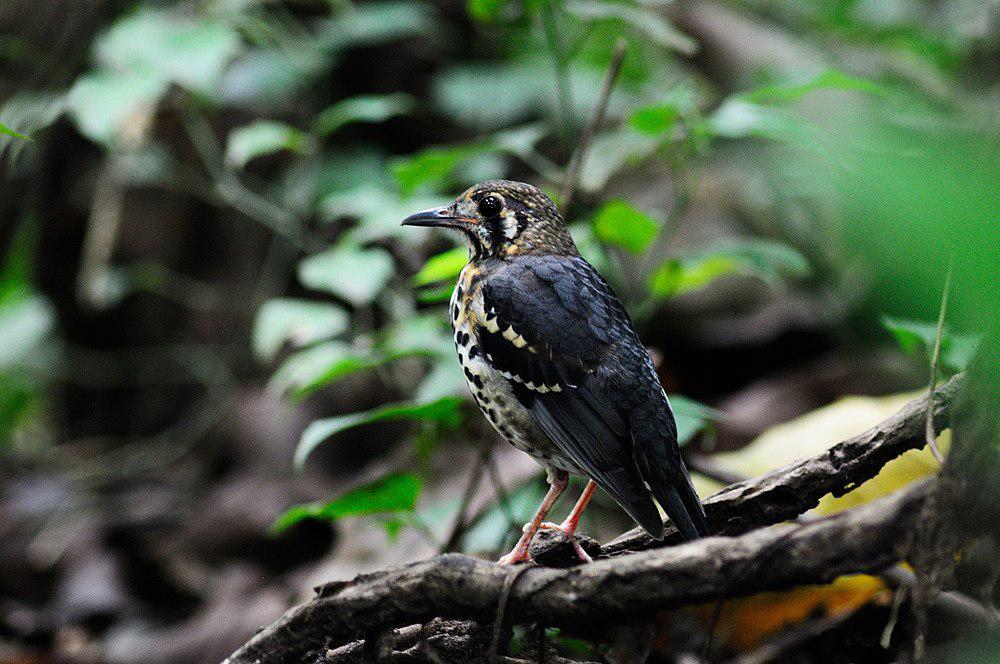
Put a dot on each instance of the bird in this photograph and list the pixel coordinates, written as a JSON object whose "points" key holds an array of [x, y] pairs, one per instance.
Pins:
{"points": [[553, 361]]}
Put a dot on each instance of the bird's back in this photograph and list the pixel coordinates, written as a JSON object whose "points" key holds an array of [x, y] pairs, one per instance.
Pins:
{"points": [[554, 329]]}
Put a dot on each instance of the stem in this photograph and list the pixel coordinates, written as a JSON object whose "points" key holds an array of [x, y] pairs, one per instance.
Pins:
{"points": [[929, 419], [596, 118]]}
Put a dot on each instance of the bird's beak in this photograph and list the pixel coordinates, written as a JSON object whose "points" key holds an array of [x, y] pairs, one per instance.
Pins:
{"points": [[441, 216]]}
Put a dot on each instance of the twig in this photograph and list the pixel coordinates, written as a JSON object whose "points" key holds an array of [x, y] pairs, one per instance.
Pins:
{"points": [[596, 118], [475, 477], [929, 427], [103, 227], [864, 540], [508, 586], [898, 597], [502, 496], [952, 603], [787, 492]]}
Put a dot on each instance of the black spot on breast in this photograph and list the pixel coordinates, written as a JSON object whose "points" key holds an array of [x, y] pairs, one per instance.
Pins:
{"points": [[477, 381], [469, 375], [473, 352], [454, 312]]}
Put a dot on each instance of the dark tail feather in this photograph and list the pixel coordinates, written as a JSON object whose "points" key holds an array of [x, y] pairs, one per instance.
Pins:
{"points": [[643, 510], [684, 508], [670, 484]]}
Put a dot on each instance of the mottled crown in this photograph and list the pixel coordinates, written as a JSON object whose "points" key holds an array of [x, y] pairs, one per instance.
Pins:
{"points": [[528, 223]]}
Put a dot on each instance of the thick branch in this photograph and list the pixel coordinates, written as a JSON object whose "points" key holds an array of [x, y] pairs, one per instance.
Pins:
{"points": [[787, 492], [866, 539]]}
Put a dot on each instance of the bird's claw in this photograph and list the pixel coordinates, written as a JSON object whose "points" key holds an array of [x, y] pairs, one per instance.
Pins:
{"points": [[515, 557], [566, 529]]}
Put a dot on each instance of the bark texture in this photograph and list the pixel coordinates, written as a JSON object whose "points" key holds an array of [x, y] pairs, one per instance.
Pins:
{"points": [[637, 575]]}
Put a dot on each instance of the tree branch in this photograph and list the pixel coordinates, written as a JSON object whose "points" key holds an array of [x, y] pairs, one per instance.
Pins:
{"points": [[619, 587], [785, 493], [866, 539]]}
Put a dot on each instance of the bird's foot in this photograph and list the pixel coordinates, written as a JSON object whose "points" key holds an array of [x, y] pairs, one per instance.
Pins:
{"points": [[517, 555], [569, 530]]}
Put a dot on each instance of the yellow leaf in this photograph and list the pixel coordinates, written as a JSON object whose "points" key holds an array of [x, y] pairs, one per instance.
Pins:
{"points": [[821, 429], [744, 622]]}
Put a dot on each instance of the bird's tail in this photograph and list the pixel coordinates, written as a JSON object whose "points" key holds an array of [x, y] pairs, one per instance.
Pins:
{"points": [[683, 506], [669, 481]]}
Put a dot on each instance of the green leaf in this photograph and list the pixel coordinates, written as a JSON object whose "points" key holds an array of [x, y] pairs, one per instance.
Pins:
{"points": [[747, 114], [4, 129], [442, 267], [362, 108], [112, 108], [444, 411], [493, 96], [642, 20], [677, 276], [397, 492], [612, 151], [260, 138], [618, 223], [488, 533], [269, 78], [170, 45], [356, 275], [428, 334], [657, 119], [16, 404], [738, 118], [691, 417], [434, 165], [915, 336], [299, 322], [485, 11], [393, 526], [830, 79], [370, 23], [768, 261], [31, 111], [379, 212], [445, 379], [654, 119], [308, 367], [26, 320]]}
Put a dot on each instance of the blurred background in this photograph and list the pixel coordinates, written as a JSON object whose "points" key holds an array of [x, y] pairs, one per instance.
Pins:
{"points": [[226, 373]]}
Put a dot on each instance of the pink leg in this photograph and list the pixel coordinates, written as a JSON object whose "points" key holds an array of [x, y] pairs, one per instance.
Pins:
{"points": [[573, 520], [520, 551]]}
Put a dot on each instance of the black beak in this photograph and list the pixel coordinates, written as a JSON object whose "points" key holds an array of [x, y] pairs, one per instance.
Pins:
{"points": [[442, 216]]}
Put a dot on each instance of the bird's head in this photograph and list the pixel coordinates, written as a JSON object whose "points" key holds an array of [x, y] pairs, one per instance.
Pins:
{"points": [[501, 218]]}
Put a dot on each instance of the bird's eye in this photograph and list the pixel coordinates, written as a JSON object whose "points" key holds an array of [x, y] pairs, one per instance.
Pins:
{"points": [[489, 206]]}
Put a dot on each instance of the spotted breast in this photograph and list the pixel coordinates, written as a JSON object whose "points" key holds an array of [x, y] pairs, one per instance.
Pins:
{"points": [[492, 388]]}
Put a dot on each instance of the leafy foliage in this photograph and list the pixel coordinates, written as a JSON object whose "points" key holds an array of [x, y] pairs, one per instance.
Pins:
{"points": [[619, 224], [768, 261], [397, 492], [443, 411], [916, 337], [230, 104], [4, 129]]}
